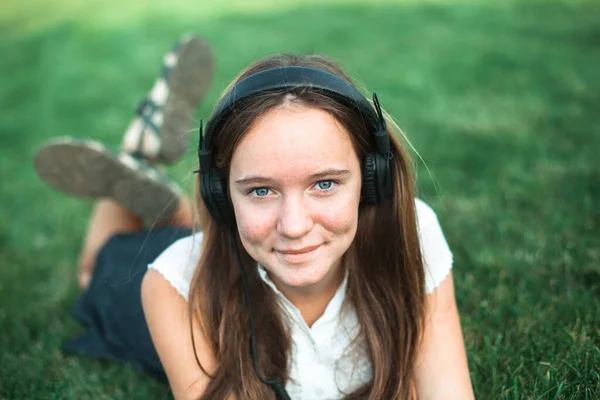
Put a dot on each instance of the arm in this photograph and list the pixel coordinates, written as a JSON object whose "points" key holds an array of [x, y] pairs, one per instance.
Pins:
{"points": [[168, 321], [441, 370]]}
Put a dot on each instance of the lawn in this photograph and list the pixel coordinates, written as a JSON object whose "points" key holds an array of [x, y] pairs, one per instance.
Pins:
{"points": [[500, 99]]}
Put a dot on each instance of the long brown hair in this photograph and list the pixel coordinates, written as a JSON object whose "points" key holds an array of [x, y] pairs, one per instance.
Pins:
{"points": [[385, 269]]}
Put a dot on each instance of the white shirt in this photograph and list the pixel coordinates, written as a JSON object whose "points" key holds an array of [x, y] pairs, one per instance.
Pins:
{"points": [[322, 364]]}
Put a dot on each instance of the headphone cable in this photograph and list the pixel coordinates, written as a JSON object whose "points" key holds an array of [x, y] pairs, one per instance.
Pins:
{"points": [[276, 384]]}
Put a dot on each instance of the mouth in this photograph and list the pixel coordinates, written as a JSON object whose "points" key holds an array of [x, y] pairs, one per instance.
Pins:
{"points": [[297, 256]]}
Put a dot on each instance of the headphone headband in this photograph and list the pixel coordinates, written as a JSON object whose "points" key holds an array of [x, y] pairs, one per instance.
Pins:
{"points": [[292, 78]]}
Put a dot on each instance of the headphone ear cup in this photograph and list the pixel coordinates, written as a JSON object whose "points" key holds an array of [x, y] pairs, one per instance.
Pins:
{"points": [[369, 180], [215, 197]]}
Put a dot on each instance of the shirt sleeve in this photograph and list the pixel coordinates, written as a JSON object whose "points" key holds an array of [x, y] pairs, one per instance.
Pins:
{"points": [[178, 263], [437, 257]]}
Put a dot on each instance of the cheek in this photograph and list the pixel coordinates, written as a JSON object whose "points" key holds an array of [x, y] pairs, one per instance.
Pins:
{"points": [[254, 228], [341, 219]]}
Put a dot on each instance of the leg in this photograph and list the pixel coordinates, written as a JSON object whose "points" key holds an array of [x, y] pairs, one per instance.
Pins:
{"points": [[183, 216], [129, 188], [109, 218]]}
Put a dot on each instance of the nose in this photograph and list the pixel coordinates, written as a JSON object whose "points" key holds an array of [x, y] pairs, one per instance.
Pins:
{"points": [[295, 219]]}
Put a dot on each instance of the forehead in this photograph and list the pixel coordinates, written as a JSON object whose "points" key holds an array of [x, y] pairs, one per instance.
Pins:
{"points": [[291, 141]]}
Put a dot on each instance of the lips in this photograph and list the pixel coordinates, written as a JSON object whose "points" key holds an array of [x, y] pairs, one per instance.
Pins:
{"points": [[297, 256], [298, 251]]}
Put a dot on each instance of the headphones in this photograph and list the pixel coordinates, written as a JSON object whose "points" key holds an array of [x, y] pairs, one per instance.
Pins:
{"points": [[376, 172]]}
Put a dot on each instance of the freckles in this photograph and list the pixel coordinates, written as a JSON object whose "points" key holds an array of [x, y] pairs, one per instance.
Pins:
{"points": [[340, 218], [253, 229]]}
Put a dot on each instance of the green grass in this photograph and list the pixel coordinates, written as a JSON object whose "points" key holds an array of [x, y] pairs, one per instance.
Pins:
{"points": [[501, 101]]}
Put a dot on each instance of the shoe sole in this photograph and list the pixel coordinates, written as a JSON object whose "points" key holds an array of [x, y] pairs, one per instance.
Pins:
{"points": [[88, 169], [188, 83]]}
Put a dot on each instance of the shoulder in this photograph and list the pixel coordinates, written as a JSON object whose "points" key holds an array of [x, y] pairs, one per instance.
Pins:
{"points": [[425, 214], [178, 262], [437, 257]]}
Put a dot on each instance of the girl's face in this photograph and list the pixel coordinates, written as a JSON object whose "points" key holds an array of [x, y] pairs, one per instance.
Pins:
{"points": [[295, 184]]}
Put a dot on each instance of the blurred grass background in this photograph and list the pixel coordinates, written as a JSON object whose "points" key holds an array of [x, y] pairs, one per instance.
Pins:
{"points": [[501, 99]]}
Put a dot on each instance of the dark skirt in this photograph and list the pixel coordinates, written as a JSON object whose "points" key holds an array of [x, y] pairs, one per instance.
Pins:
{"points": [[111, 309]]}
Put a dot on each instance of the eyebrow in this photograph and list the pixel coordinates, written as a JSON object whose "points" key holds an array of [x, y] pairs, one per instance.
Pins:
{"points": [[328, 173]]}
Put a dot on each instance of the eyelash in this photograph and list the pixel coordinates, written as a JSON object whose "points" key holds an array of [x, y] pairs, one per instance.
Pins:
{"points": [[333, 185]]}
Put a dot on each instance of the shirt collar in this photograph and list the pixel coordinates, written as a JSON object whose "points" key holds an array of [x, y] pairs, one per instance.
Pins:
{"points": [[331, 311]]}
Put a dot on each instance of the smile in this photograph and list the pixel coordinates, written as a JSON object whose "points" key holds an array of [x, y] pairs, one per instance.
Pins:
{"points": [[297, 256]]}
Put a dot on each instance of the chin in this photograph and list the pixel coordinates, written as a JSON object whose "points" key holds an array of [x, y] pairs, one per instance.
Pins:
{"points": [[301, 275], [298, 282]]}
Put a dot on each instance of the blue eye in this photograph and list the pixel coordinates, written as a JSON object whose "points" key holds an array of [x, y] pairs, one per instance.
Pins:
{"points": [[260, 192], [324, 185]]}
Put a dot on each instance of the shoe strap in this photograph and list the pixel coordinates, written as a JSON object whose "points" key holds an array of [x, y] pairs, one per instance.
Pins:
{"points": [[145, 110], [165, 72]]}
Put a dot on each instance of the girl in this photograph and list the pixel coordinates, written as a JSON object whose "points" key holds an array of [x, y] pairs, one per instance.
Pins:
{"points": [[316, 273]]}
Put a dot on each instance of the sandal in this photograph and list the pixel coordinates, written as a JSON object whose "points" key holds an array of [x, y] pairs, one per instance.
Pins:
{"points": [[86, 168], [164, 124]]}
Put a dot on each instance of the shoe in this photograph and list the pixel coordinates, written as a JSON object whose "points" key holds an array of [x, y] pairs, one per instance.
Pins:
{"points": [[161, 131], [86, 168]]}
